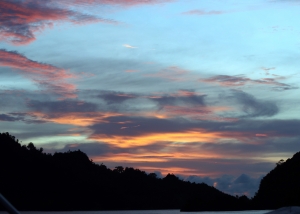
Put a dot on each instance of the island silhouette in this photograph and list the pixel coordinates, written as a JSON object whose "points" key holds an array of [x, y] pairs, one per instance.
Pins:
{"points": [[34, 180]]}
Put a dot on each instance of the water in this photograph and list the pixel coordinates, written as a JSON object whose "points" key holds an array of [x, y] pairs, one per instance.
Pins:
{"points": [[146, 212]]}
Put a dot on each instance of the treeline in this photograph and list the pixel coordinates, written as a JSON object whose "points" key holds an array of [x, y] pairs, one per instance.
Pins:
{"points": [[33, 180], [281, 186]]}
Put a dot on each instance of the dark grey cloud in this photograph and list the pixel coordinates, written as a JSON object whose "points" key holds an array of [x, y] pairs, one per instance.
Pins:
{"points": [[254, 107], [190, 98], [277, 128], [6, 117], [180, 99], [25, 117], [140, 125], [262, 147], [62, 106], [247, 128], [27, 131], [112, 97]]}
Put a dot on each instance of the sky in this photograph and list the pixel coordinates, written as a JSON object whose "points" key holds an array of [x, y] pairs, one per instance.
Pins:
{"points": [[205, 89]]}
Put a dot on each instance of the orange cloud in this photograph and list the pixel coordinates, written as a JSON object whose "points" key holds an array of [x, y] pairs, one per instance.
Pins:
{"points": [[76, 118], [175, 170], [159, 156], [185, 136]]}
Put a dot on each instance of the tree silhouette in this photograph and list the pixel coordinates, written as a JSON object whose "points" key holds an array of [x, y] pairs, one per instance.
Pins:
{"points": [[33, 180], [280, 187]]}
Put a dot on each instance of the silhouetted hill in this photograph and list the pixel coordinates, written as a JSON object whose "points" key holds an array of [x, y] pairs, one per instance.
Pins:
{"points": [[33, 180], [281, 186]]}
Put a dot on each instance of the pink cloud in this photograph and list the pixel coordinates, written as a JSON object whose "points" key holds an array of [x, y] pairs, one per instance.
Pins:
{"points": [[185, 93], [261, 135], [119, 2], [232, 81], [226, 80], [48, 76], [15, 60], [20, 20]]}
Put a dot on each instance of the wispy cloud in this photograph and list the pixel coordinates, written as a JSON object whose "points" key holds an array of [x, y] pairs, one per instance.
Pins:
{"points": [[254, 107], [129, 46], [46, 76], [198, 112], [20, 20], [126, 3], [25, 117], [172, 73], [204, 13], [241, 80], [267, 70]]}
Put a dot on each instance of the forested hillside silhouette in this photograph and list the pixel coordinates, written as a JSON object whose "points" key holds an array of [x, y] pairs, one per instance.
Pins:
{"points": [[281, 186], [33, 180]]}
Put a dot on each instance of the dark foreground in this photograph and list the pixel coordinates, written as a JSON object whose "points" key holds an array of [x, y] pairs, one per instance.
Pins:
{"points": [[33, 180], [144, 212]]}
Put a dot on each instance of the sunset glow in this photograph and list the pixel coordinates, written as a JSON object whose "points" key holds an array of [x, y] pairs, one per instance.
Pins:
{"points": [[196, 88]]}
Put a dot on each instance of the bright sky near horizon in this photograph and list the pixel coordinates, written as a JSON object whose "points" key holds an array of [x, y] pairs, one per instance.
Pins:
{"points": [[205, 89]]}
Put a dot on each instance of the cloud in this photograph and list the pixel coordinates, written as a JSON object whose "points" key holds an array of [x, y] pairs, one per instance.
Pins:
{"points": [[172, 73], [180, 97], [62, 106], [129, 46], [25, 117], [18, 61], [254, 107], [20, 20], [226, 80], [126, 3], [112, 97], [267, 70], [149, 131], [240, 80], [198, 112], [6, 117], [204, 13], [45, 75], [241, 185]]}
